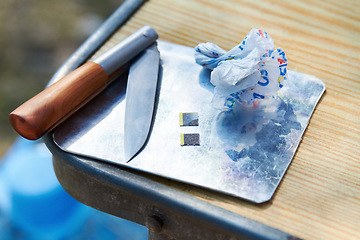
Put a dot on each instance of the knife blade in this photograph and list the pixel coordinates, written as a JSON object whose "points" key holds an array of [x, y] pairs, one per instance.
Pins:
{"points": [[140, 100]]}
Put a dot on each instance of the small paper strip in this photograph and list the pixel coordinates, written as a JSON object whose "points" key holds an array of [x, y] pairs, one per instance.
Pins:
{"points": [[189, 119], [190, 139]]}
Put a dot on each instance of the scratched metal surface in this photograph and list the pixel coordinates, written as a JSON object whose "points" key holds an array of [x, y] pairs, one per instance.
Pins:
{"points": [[244, 153]]}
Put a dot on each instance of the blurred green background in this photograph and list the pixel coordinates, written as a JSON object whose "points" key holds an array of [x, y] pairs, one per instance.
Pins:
{"points": [[36, 37]]}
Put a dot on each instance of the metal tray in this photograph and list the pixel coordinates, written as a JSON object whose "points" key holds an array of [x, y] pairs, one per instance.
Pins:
{"points": [[244, 153]]}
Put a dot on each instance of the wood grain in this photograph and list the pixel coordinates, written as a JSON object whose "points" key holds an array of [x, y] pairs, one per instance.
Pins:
{"points": [[48, 108], [319, 197]]}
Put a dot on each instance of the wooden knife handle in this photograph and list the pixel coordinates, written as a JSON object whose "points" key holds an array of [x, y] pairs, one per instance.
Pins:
{"points": [[50, 107]]}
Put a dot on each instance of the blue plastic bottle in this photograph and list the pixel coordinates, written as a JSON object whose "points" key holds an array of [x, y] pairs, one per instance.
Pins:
{"points": [[33, 205]]}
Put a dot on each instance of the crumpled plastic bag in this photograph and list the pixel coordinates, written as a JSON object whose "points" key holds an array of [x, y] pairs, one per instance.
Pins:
{"points": [[249, 72]]}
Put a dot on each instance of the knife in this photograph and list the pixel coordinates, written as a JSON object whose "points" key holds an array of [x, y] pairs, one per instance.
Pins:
{"points": [[54, 104], [140, 100]]}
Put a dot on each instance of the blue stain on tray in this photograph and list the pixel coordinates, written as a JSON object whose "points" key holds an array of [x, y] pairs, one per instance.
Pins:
{"points": [[268, 135]]}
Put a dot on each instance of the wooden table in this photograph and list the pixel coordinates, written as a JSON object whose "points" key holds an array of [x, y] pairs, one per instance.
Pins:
{"points": [[319, 197]]}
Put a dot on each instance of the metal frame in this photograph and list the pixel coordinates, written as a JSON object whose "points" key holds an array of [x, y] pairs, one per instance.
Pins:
{"points": [[165, 211]]}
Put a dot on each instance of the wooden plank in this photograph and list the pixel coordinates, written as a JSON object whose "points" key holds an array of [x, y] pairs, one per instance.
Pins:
{"points": [[319, 197]]}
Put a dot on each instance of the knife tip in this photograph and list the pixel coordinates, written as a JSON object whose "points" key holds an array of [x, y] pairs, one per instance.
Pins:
{"points": [[129, 155]]}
